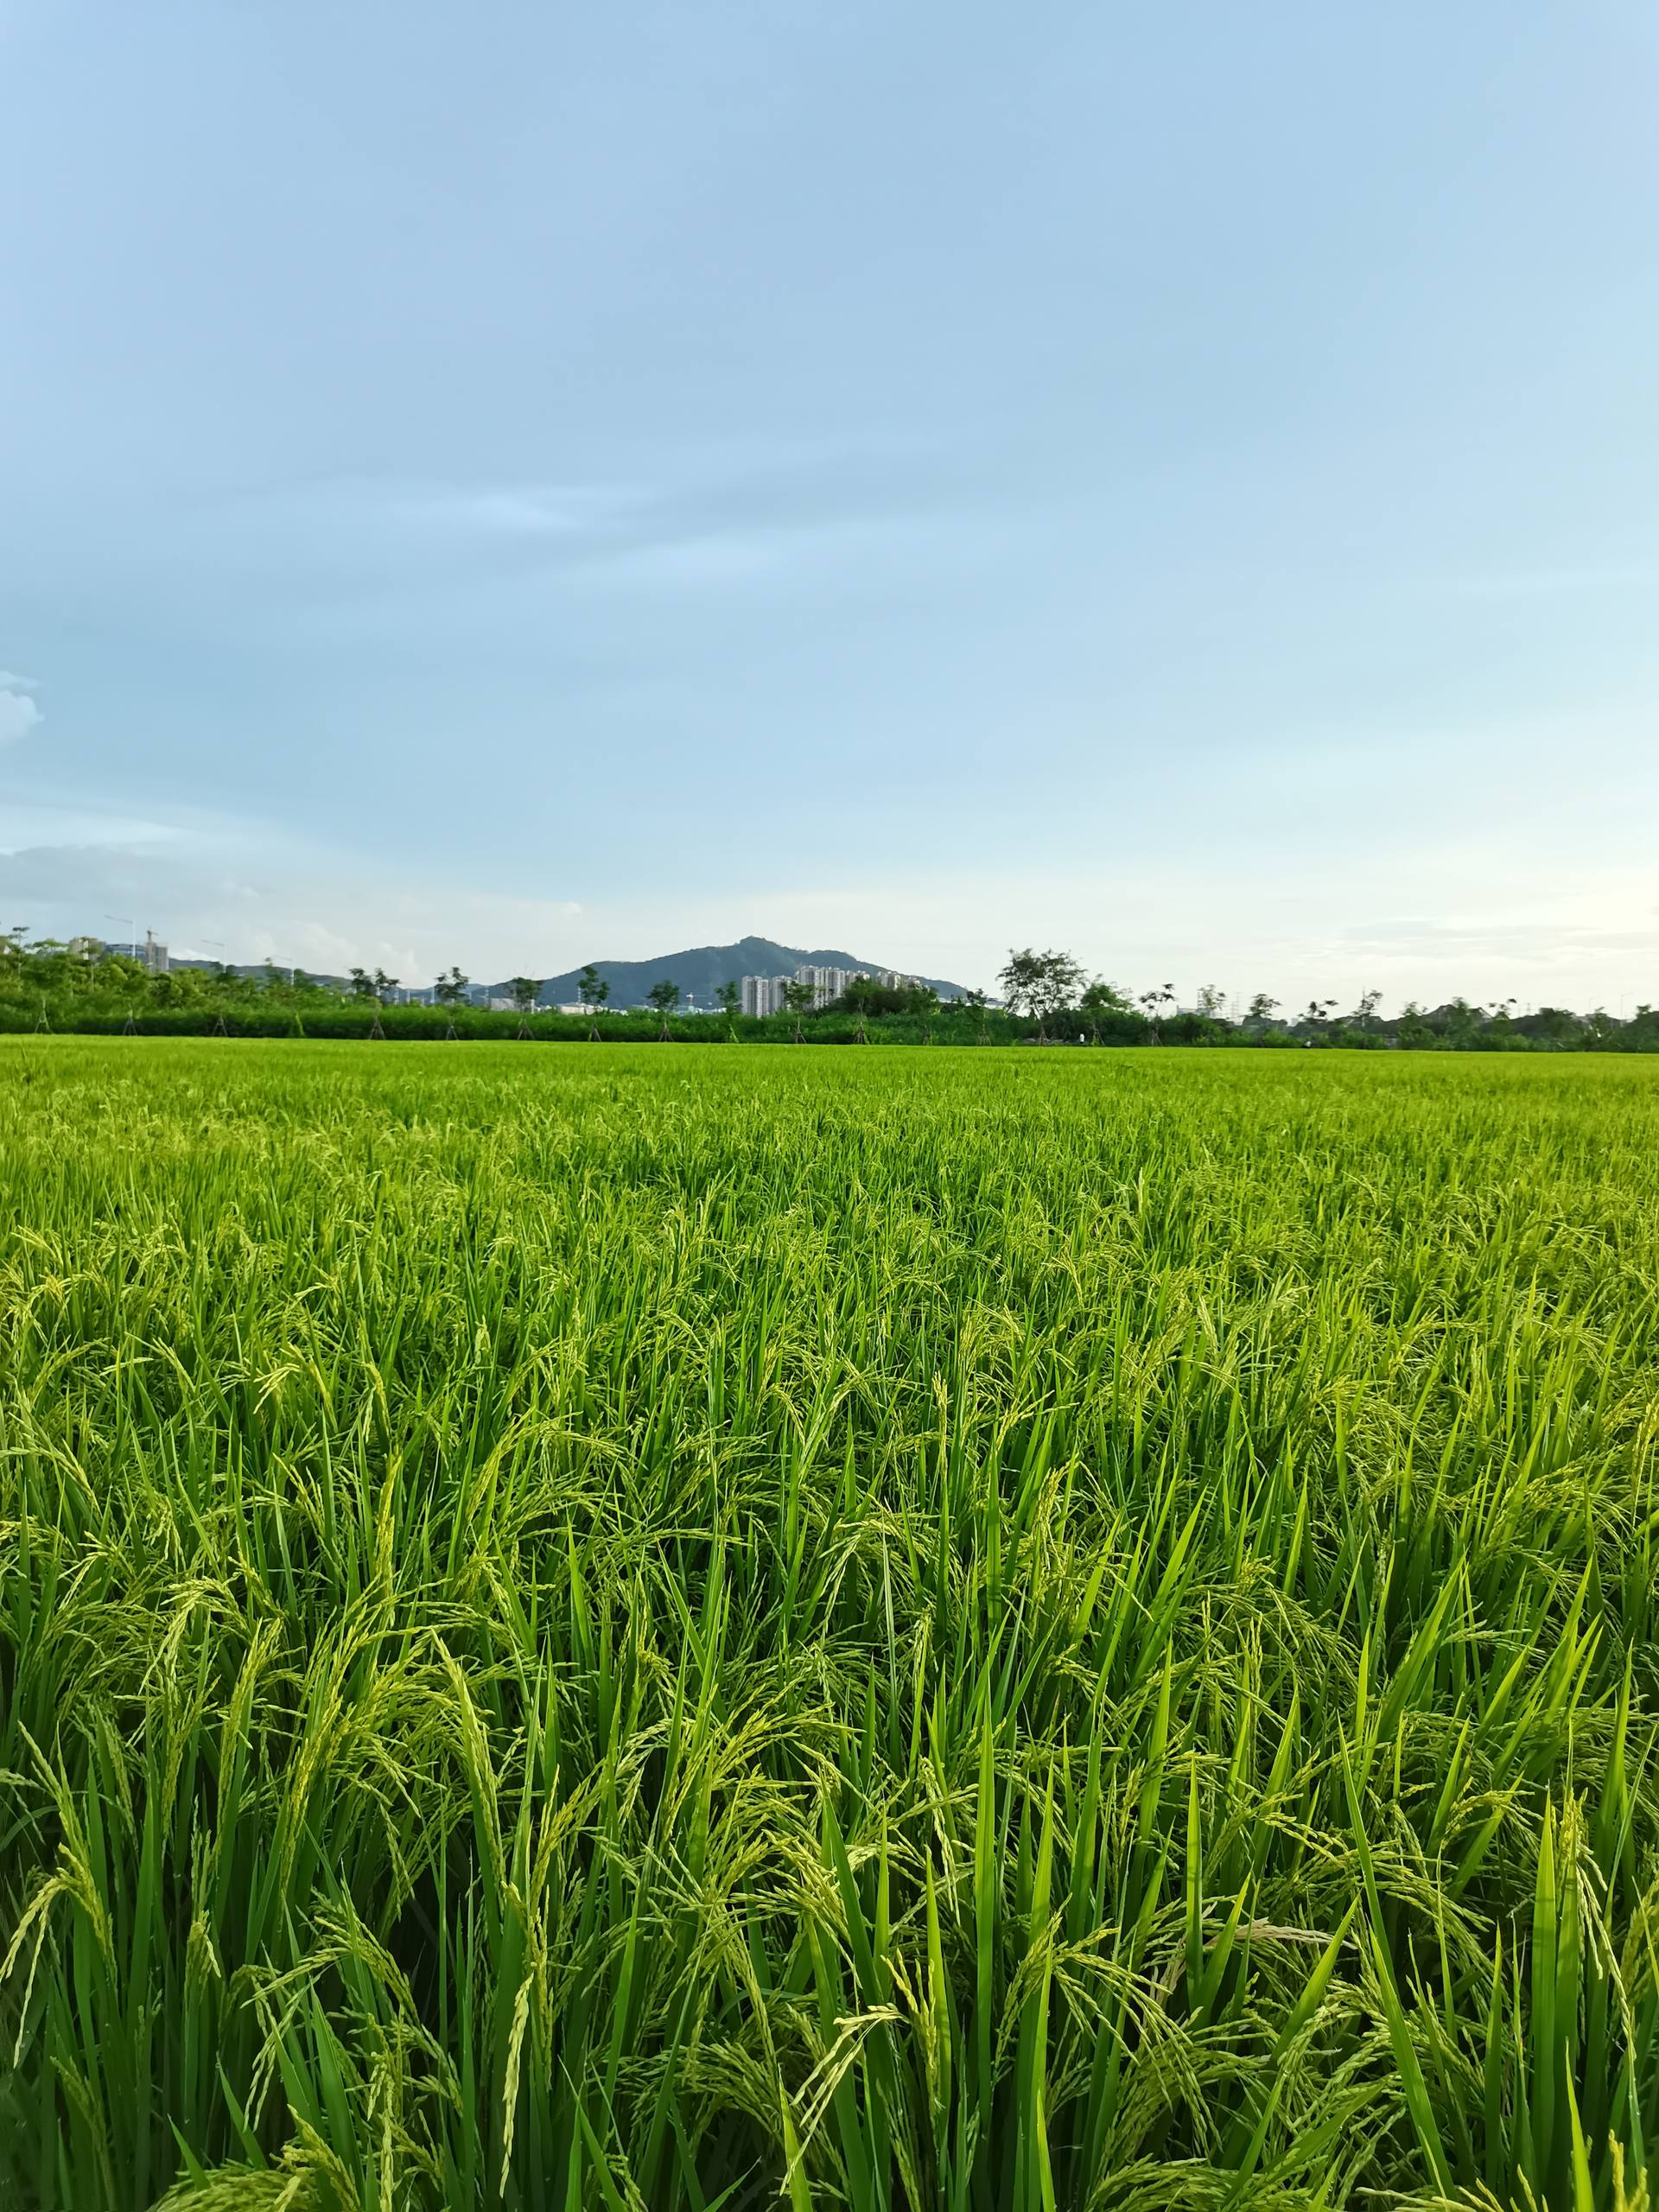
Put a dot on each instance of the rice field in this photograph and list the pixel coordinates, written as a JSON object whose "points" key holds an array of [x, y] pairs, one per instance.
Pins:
{"points": [[704, 1629]]}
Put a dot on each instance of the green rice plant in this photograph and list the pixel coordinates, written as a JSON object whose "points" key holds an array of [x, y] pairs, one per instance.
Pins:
{"points": [[974, 1629]]}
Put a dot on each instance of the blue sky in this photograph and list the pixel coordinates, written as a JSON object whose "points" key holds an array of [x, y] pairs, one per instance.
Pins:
{"points": [[511, 485]]}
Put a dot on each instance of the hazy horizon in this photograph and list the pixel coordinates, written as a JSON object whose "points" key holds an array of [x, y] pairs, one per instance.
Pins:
{"points": [[518, 489]]}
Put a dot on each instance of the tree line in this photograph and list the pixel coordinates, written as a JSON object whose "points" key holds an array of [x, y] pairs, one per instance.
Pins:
{"points": [[1045, 998], [1055, 992]]}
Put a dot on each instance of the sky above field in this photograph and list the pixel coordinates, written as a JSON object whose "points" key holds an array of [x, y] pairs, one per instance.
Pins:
{"points": [[515, 485]]}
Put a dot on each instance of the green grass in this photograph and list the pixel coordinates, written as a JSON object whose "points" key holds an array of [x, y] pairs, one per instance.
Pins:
{"points": [[707, 1629]]}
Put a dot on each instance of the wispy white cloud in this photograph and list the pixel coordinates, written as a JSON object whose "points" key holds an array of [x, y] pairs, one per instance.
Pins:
{"points": [[555, 510], [219, 882], [1557, 582], [714, 558], [694, 524], [18, 712], [27, 824]]}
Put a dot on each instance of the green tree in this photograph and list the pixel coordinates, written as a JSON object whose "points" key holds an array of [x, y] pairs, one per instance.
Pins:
{"points": [[523, 989], [664, 996], [864, 996], [1044, 983], [14, 957], [1458, 1021], [1262, 1009], [450, 989], [361, 983], [1555, 1026], [1154, 1002], [1101, 1000], [593, 989], [729, 998]]}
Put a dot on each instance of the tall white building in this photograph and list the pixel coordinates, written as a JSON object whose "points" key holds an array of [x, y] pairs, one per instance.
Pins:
{"points": [[763, 995], [826, 984], [150, 954]]}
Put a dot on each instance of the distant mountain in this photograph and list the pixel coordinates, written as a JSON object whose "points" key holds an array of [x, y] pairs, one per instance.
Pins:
{"points": [[255, 971], [702, 970]]}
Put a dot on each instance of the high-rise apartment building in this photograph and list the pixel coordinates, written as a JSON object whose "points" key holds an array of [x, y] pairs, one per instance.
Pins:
{"points": [[150, 954], [826, 984], [763, 995]]}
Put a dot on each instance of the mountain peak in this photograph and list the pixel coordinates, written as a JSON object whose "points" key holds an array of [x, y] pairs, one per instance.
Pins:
{"points": [[701, 970]]}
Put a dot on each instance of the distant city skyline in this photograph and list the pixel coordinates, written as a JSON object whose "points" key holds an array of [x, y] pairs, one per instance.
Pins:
{"points": [[765, 994], [1177, 485], [761, 995]]}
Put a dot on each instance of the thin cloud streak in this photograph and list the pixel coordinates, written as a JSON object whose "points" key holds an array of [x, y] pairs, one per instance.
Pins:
{"points": [[19, 714]]}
